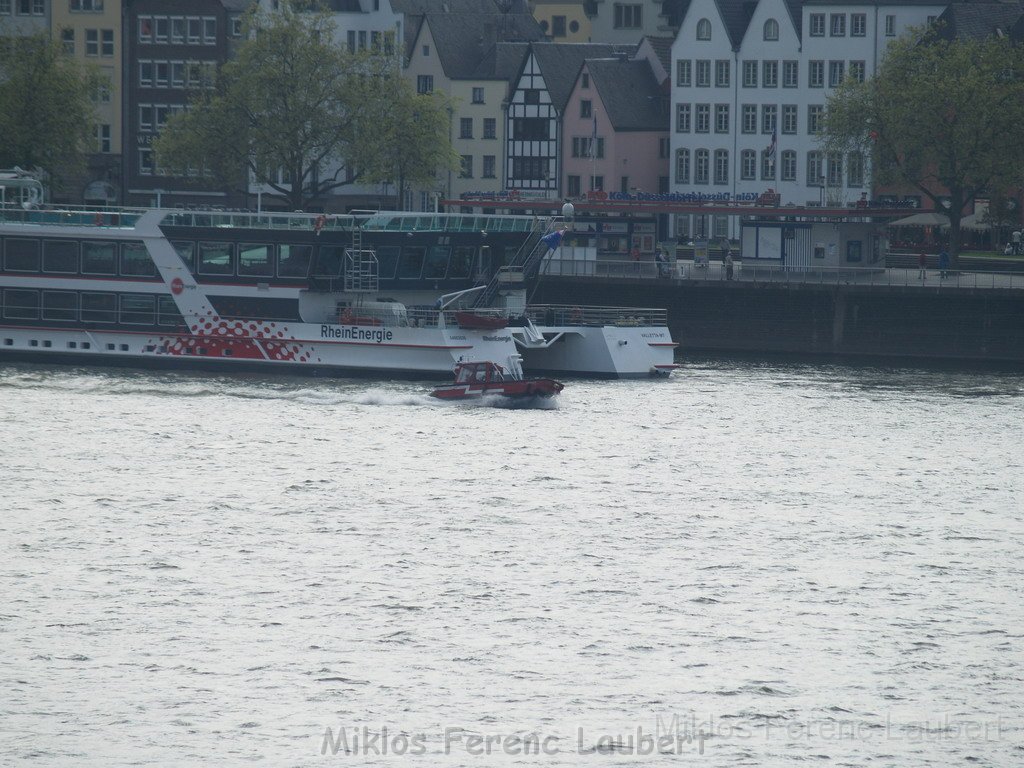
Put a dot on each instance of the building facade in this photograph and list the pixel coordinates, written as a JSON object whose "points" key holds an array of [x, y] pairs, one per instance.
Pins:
{"points": [[536, 108], [749, 92], [90, 31], [25, 17], [470, 59], [171, 56]]}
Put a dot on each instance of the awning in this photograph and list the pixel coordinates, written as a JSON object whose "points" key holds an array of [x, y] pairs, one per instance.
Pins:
{"points": [[926, 219]]}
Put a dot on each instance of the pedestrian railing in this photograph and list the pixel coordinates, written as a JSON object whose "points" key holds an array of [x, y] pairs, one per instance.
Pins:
{"points": [[752, 272]]}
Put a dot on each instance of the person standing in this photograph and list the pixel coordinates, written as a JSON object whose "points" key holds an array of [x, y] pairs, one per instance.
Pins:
{"points": [[922, 261], [728, 264], [1015, 237], [943, 263]]}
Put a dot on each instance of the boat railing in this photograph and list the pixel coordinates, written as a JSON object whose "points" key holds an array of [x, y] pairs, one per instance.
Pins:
{"points": [[368, 221], [70, 216], [751, 272], [577, 315]]}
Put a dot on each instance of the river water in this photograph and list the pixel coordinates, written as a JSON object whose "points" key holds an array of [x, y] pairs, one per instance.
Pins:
{"points": [[749, 564]]}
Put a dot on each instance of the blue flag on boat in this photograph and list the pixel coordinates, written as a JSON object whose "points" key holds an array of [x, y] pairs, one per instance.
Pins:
{"points": [[553, 239]]}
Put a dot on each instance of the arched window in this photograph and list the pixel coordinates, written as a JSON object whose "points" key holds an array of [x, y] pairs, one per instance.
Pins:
{"points": [[771, 30], [703, 29]]}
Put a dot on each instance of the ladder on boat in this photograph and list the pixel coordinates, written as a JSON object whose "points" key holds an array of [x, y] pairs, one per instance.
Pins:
{"points": [[362, 273]]}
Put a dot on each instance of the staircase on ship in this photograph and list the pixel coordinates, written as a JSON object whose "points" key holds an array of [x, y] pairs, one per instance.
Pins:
{"points": [[521, 268]]}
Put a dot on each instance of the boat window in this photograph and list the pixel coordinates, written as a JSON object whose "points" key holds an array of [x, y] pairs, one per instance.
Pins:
{"points": [[255, 259], [99, 308], [387, 261], [138, 308], [411, 264], [135, 261], [293, 260], [167, 312], [187, 252], [437, 262], [21, 255], [462, 262], [60, 256], [60, 305], [329, 259], [21, 305], [215, 259], [98, 258]]}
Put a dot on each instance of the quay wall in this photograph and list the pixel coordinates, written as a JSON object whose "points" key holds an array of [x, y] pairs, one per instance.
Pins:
{"points": [[845, 320]]}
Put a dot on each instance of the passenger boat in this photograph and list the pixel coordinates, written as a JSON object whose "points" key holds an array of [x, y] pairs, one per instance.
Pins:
{"points": [[295, 292], [479, 379]]}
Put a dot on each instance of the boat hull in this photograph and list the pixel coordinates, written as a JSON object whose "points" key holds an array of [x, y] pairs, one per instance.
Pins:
{"points": [[512, 390]]}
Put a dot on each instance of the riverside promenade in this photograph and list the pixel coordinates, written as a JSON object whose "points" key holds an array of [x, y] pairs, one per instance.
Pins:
{"points": [[867, 311]]}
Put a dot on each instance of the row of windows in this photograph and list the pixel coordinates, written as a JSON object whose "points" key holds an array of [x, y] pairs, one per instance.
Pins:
{"points": [[837, 25], [822, 168], [489, 170], [68, 257], [177, 74], [155, 116], [90, 307], [698, 118], [380, 42], [466, 127], [178, 30], [26, 7], [766, 73]]}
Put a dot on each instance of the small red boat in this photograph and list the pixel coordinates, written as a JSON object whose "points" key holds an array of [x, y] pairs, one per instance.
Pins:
{"points": [[486, 378]]}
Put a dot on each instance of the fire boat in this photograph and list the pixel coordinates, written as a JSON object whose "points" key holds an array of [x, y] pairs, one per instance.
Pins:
{"points": [[478, 379]]}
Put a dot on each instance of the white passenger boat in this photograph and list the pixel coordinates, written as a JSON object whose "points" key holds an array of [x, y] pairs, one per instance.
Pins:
{"points": [[401, 293]]}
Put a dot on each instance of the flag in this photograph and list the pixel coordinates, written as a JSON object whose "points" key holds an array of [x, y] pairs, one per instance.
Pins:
{"points": [[553, 239], [770, 151], [592, 149]]}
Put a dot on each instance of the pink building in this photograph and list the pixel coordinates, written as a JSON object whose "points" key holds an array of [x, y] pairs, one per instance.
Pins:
{"points": [[615, 130]]}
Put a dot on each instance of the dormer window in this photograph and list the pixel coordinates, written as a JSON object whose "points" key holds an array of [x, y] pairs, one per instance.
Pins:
{"points": [[771, 30], [703, 29]]}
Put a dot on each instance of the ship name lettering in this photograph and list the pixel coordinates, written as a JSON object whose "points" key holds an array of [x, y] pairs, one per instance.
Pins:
{"points": [[355, 333]]}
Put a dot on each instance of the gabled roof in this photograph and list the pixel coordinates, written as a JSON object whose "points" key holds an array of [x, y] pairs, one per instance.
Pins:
{"points": [[630, 94], [662, 47], [560, 63], [977, 21], [736, 16], [463, 41]]}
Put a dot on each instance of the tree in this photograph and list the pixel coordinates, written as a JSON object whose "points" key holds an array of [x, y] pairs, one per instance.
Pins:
{"points": [[47, 120], [943, 116], [293, 110], [409, 138]]}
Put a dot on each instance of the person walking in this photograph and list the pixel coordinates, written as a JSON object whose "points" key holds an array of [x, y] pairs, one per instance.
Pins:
{"points": [[922, 261], [943, 263]]}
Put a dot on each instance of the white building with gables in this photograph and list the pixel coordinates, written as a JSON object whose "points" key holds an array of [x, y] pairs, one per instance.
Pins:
{"points": [[749, 87]]}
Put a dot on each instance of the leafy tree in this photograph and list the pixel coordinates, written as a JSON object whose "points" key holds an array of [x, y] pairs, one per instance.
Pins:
{"points": [[47, 120], [290, 101], [942, 116], [409, 138]]}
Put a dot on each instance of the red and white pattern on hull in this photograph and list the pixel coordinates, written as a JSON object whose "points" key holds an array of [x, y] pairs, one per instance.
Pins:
{"points": [[245, 339]]}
